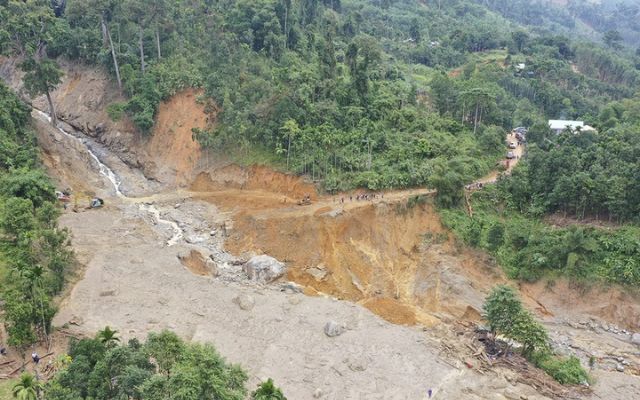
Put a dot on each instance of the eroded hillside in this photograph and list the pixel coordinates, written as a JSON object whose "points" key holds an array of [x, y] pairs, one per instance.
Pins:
{"points": [[388, 254]]}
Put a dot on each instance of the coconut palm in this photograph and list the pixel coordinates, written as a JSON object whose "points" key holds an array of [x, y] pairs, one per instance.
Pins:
{"points": [[268, 391], [108, 337], [26, 388]]}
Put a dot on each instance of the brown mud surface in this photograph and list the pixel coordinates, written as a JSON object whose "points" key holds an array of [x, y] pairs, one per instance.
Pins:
{"points": [[195, 262], [172, 145], [382, 255], [560, 297], [256, 178]]}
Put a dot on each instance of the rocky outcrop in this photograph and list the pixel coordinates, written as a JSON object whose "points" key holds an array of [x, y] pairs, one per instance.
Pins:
{"points": [[168, 156], [264, 269]]}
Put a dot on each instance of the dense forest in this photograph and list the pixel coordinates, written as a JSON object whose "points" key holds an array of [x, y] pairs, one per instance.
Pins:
{"points": [[377, 94], [34, 252], [614, 23], [593, 176], [162, 367]]}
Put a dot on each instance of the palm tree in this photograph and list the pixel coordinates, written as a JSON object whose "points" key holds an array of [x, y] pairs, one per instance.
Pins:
{"points": [[268, 391], [27, 388], [579, 247], [108, 337]]}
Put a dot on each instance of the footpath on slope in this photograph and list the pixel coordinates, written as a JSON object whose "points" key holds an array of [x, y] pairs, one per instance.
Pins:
{"points": [[147, 288], [135, 283], [128, 262]]}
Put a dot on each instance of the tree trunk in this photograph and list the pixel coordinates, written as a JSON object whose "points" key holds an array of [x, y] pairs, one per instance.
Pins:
{"points": [[105, 40], [52, 110], [44, 324], [288, 151], [286, 33], [113, 53], [475, 119], [141, 44], [158, 43]]}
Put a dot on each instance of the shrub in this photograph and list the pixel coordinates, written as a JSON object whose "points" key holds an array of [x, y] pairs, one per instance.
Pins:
{"points": [[268, 391], [116, 111], [567, 371]]}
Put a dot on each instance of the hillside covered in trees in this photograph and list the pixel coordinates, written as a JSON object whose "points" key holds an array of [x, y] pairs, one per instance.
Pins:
{"points": [[367, 94], [376, 94], [380, 94], [34, 252]]}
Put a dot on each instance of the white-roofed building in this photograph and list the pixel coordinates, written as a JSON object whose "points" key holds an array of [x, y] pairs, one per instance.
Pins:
{"points": [[559, 125]]}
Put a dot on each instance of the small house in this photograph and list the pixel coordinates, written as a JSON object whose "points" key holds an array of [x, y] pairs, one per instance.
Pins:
{"points": [[560, 125]]}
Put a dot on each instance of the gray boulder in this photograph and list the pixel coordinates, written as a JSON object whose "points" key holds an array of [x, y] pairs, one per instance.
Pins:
{"points": [[245, 302], [264, 269], [333, 329], [635, 339]]}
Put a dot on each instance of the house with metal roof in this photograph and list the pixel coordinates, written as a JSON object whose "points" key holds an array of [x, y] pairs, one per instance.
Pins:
{"points": [[560, 125]]}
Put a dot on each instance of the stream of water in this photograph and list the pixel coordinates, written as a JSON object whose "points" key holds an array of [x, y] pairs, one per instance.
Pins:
{"points": [[115, 182]]}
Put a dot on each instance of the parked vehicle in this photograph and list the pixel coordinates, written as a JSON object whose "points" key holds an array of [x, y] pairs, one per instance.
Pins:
{"points": [[513, 145], [510, 155]]}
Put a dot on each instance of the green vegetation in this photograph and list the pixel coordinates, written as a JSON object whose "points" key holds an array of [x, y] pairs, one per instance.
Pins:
{"points": [[27, 388], [6, 387], [267, 391], [583, 176], [28, 28], [34, 252], [353, 93], [163, 367], [507, 317], [591, 174], [528, 248], [614, 22]]}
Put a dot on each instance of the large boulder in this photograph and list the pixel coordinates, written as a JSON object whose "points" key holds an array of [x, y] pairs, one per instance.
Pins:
{"points": [[635, 338], [264, 269]]}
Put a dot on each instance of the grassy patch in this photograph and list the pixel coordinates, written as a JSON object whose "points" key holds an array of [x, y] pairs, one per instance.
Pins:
{"points": [[256, 155], [5, 389]]}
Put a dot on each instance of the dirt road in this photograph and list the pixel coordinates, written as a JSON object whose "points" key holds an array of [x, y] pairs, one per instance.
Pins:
{"points": [[391, 262], [370, 252], [518, 152]]}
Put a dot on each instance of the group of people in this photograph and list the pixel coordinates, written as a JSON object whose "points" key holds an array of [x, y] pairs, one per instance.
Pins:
{"points": [[362, 197]]}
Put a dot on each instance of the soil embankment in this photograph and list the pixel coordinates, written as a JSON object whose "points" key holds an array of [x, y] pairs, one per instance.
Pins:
{"points": [[389, 255], [174, 152], [386, 256], [169, 156]]}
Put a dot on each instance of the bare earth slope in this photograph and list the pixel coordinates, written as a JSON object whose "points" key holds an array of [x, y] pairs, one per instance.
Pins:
{"points": [[141, 273]]}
